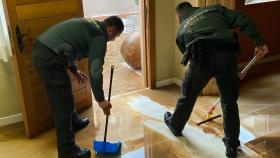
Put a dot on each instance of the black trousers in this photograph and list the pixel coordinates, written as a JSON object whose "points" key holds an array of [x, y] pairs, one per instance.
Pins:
{"points": [[59, 91], [222, 65]]}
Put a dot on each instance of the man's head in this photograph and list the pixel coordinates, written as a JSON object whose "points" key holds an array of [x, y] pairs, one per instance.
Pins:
{"points": [[114, 27], [181, 7]]}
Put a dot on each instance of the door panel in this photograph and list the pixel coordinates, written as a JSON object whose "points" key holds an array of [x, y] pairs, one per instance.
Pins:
{"points": [[46, 10], [227, 3], [27, 2], [32, 18], [39, 25]]}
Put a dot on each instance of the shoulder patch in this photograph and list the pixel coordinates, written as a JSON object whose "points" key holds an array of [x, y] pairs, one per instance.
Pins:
{"points": [[93, 22]]}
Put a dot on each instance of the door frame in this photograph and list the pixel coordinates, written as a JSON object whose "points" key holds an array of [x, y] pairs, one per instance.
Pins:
{"points": [[148, 42]]}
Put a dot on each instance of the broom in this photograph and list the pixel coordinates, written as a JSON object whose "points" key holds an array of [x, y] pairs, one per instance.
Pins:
{"points": [[104, 147], [209, 116]]}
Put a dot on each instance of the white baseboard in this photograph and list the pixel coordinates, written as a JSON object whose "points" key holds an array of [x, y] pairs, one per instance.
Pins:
{"points": [[178, 82], [10, 119], [168, 82], [164, 83]]}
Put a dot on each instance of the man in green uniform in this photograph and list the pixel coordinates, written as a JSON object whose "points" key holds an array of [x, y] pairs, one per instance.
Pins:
{"points": [[57, 50], [206, 39]]}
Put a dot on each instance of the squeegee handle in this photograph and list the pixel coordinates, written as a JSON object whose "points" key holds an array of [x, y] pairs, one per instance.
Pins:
{"points": [[212, 108], [109, 98], [247, 67]]}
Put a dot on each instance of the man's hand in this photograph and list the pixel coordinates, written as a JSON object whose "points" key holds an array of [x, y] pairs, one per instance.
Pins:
{"points": [[80, 76], [105, 106], [242, 75], [261, 51]]}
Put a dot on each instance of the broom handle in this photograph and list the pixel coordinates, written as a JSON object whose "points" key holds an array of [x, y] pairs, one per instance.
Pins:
{"points": [[109, 98], [247, 67]]}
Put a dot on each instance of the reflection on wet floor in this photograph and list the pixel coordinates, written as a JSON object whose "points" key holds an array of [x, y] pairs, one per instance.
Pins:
{"points": [[142, 114], [159, 140], [260, 114], [137, 121], [267, 146]]}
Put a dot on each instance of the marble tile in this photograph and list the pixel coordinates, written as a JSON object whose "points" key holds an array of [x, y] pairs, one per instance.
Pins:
{"points": [[268, 146], [137, 121]]}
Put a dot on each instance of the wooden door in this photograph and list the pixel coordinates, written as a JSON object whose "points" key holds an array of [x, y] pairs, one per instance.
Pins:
{"points": [[27, 19]]}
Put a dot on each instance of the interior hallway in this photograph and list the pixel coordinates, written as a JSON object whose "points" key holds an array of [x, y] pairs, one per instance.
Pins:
{"points": [[137, 121], [126, 79]]}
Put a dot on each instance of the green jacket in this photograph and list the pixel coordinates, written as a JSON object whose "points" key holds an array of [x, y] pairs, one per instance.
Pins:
{"points": [[213, 22], [81, 38]]}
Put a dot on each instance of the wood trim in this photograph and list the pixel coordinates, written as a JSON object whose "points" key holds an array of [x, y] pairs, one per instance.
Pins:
{"points": [[149, 37], [152, 38], [143, 41]]}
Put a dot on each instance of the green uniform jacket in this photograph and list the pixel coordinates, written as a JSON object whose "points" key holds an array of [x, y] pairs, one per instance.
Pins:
{"points": [[80, 38], [213, 22]]}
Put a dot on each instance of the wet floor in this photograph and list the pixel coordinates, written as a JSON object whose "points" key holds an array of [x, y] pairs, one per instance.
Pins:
{"points": [[137, 121]]}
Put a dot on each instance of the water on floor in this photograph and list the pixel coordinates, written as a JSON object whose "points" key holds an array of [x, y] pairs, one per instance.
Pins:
{"points": [[137, 121]]}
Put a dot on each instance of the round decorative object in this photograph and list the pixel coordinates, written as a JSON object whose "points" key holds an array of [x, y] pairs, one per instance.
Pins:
{"points": [[131, 51]]}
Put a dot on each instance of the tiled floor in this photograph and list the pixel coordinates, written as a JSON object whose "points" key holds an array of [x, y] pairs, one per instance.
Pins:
{"points": [[267, 146], [260, 114], [137, 121]]}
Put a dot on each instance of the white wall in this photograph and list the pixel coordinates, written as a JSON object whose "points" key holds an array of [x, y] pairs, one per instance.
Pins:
{"points": [[9, 106], [108, 7], [165, 42]]}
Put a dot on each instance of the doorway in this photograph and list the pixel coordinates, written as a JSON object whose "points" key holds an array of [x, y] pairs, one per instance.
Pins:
{"points": [[125, 53]]}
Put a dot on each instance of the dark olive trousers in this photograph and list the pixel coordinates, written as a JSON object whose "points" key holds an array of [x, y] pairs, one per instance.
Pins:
{"points": [[52, 71], [222, 65]]}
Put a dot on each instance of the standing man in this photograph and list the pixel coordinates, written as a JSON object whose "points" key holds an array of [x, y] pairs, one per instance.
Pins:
{"points": [[57, 50], [205, 37]]}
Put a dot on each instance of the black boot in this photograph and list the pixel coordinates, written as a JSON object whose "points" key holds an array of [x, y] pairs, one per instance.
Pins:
{"points": [[231, 147], [79, 124], [74, 152], [231, 152], [167, 117]]}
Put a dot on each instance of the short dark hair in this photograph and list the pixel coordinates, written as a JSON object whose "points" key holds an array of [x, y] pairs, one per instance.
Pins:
{"points": [[115, 21], [182, 6]]}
